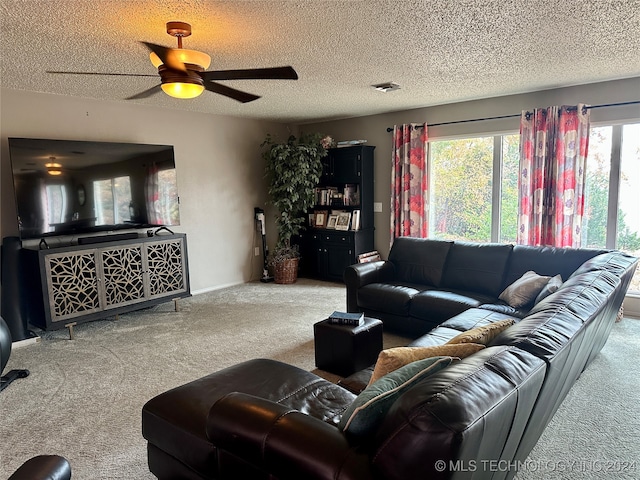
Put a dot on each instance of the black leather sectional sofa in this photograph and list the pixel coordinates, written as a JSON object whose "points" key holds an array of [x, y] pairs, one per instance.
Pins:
{"points": [[425, 282], [476, 418]]}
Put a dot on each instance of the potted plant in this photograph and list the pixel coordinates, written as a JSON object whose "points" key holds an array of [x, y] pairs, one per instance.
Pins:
{"points": [[293, 171]]}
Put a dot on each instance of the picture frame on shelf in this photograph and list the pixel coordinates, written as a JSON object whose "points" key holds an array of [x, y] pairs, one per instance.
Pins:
{"points": [[351, 194], [312, 222], [344, 218], [331, 221], [320, 219]]}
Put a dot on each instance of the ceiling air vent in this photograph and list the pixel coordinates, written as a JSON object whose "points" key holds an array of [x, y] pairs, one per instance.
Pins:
{"points": [[386, 87]]}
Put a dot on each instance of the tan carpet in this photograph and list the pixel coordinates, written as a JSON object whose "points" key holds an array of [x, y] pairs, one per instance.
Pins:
{"points": [[84, 397]]}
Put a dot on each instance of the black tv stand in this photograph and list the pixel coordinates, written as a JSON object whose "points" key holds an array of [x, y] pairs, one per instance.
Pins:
{"points": [[79, 283], [112, 237]]}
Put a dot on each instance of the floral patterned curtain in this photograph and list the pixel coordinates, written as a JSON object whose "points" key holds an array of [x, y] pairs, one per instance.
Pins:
{"points": [[409, 181], [553, 152]]}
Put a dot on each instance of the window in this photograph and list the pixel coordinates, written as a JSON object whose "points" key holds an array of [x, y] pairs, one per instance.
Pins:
{"points": [[473, 192], [612, 217], [594, 220], [112, 199], [509, 189], [461, 189]]}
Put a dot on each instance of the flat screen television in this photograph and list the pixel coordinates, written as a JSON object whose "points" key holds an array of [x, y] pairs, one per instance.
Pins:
{"points": [[69, 187]]}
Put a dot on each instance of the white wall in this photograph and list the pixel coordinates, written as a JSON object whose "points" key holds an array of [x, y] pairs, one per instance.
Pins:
{"points": [[219, 168]]}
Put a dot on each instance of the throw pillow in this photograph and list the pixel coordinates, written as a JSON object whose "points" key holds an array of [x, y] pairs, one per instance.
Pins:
{"points": [[552, 286], [524, 290], [484, 334], [367, 411], [395, 358]]}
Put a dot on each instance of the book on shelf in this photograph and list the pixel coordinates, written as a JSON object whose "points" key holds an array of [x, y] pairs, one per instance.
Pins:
{"points": [[369, 257], [350, 143], [344, 318], [325, 196]]}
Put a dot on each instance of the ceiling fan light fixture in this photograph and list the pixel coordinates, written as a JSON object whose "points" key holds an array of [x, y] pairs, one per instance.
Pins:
{"points": [[182, 90], [54, 171], [186, 56], [183, 72], [181, 85]]}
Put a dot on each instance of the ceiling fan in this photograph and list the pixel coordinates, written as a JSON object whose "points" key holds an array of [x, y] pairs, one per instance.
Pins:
{"points": [[182, 71]]}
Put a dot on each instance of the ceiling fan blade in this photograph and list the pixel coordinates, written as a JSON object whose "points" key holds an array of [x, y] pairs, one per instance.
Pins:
{"points": [[242, 97], [146, 93], [167, 55], [104, 73], [275, 73]]}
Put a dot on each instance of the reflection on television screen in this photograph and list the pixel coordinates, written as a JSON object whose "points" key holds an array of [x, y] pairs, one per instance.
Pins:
{"points": [[68, 187]]}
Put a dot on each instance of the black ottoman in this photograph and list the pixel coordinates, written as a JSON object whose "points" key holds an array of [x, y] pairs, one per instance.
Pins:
{"points": [[174, 423], [344, 349]]}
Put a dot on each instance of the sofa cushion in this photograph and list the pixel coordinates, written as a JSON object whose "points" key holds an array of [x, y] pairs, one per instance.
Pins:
{"points": [[543, 334], [580, 294], [482, 334], [419, 260], [548, 261], [387, 297], [476, 267], [505, 309], [552, 286], [437, 336], [394, 358], [467, 320], [524, 290], [613, 262], [437, 306], [367, 411], [475, 317]]}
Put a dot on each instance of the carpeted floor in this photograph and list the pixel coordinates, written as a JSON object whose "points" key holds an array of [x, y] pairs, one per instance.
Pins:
{"points": [[84, 397]]}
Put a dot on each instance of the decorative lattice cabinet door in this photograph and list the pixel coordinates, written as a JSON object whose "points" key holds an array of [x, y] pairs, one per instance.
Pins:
{"points": [[73, 288], [80, 283], [166, 267], [122, 272]]}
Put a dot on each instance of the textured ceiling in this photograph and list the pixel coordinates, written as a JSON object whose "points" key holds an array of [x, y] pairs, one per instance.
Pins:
{"points": [[439, 51]]}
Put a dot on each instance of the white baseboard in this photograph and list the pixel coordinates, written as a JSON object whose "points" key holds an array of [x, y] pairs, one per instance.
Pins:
{"points": [[25, 342], [217, 287]]}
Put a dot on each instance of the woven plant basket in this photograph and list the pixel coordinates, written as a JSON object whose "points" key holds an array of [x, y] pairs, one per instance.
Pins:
{"points": [[286, 271]]}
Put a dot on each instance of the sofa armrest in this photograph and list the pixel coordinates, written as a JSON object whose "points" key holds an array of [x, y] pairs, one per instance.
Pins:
{"points": [[43, 467], [282, 441], [361, 274]]}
